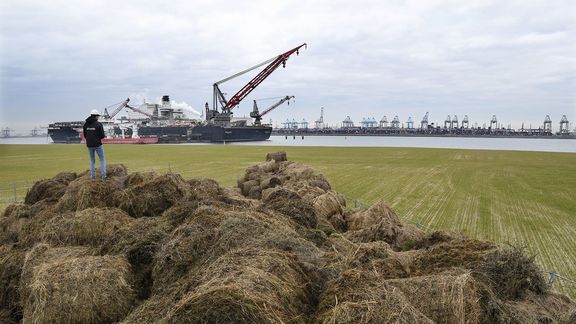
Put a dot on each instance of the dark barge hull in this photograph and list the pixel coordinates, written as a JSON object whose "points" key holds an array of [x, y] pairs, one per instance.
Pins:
{"points": [[68, 133]]}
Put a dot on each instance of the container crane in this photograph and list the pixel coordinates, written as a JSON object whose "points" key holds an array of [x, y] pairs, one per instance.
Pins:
{"points": [[227, 105], [258, 116]]}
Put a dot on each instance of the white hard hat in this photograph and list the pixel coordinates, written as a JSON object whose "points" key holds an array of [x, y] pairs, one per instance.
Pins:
{"points": [[95, 112]]}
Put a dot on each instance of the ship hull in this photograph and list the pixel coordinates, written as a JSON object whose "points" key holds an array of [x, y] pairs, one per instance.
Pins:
{"points": [[71, 133]]}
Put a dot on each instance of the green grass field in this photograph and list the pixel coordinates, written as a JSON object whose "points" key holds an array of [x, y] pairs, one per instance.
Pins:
{"points": [[518, 197]]}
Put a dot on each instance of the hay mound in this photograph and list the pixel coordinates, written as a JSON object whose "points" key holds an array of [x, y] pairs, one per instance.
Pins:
{"points": [[281, 247], [88, 289], [292, 205], [379, 222], [153, 196], [11, 262], [51, 189], [90, 226], [511, 273], [138, 241], [84, 193], [362, 297]]}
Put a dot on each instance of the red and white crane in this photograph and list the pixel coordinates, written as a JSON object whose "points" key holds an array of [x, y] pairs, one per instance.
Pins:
{"points": [[227, 105]]}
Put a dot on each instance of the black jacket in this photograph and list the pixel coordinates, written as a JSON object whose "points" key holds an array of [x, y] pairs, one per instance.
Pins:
{"points": [[93, 132]]}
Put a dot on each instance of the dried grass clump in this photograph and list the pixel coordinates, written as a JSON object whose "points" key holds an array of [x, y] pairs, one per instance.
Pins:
{"points": [[31, 229], [84, 193], [42, 253], [138, 241], [327, 205], [90, 227], [154, 196], [89, 289], [511, 273], [204, 189], [11, 223], [11, 262], [380, 223], [50, 189], [453, 297], [292, 205], [246, 286], [541, 308], [277, 156], [460, 253], [182, 249], [362, 297], [136, 178]]}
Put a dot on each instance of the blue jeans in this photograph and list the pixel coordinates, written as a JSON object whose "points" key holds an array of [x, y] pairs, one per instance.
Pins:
{"points": [[100, 151]]}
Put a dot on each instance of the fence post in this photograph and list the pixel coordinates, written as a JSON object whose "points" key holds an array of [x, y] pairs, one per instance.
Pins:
{"points": [[552, 278]]}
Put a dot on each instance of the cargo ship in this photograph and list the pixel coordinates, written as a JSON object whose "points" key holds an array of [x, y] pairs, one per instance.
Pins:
{"points": [[161, 123]]}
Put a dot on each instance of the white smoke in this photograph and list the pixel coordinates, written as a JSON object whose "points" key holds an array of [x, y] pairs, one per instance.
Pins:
{"points": [[185, 107]]}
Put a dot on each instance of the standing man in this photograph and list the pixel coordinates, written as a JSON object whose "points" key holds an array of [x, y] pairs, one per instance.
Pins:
{"points": [[94, 133]]}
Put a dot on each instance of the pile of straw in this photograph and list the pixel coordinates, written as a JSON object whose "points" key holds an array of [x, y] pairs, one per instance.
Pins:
{"points": [[281, 247]]}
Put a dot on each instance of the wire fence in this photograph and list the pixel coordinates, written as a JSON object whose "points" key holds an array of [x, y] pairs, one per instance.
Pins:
{"points": [[15, 192]]}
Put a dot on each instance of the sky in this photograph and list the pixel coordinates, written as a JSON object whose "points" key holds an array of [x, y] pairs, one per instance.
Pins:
{"points": [[515, 59]]}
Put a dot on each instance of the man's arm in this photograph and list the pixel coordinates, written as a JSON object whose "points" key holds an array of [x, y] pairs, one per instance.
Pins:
{"points": [[101, 131]]}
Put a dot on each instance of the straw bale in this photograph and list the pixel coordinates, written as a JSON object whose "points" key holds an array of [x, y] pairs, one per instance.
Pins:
{"points": [[270, 182], [154, 196], [265, 231], [85, 193], [463, 253], [292, 205], [11, 261], [320, 182], [17, 210], [277, 156], [298, 172], [377, 214], [90, 227], [246, 286], [186, 245], [204, 189], [437, 237], [327, 205], [233, 197], [88, 289], [307, 192], [49, 189], [379, 222], [453, 297], [255, 193], [42, 253], [30, 231], [138, 241], [11, 223], [136, 178], [248, 185], [511, 273], [541, 308], [6, 317], [268, 166], [362, 297]]}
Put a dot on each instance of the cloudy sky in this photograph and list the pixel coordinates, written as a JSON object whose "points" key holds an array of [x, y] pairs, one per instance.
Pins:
{"points": [[515, 59]]}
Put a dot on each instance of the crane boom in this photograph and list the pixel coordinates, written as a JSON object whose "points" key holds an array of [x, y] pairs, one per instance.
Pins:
{"points": [[258, 116], [117, 110], [141, 111], [274, 63]]}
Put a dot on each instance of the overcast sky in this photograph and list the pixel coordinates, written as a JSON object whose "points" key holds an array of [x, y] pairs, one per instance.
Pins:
{"points": [[515, 59]]}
